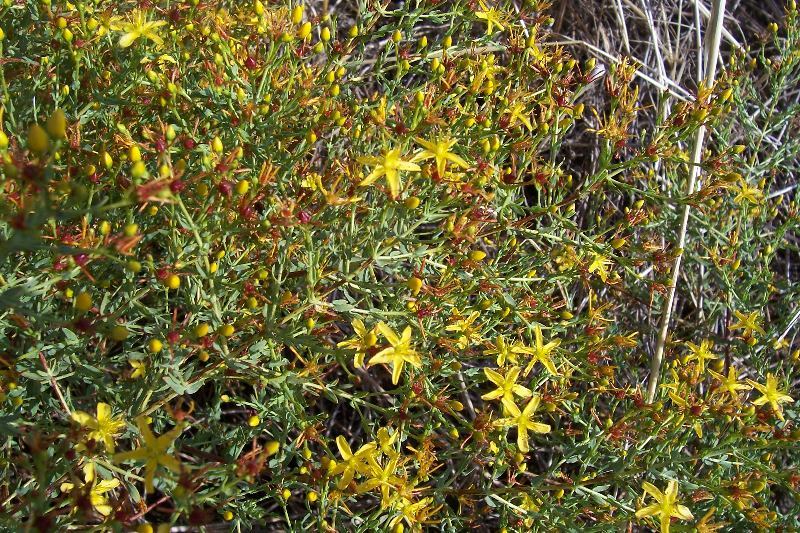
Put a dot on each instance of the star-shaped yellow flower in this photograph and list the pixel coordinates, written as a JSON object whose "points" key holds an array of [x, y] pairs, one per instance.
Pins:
{"points": [[364, 340], [504, 352], [748, 194], [413, 513], [524, 422], [701, 353], [666, 505], [389, 164], [153, 451], [540, 352], [103, 428], [440, 151], [492, 16], [600, 264], [771, 395], [382, 477], [138, 27], [96, 490], [351, 463], [519, 114], [466, 327], [507, 387], [731, 383], [749, 323], [139, 368], [398, 354]]}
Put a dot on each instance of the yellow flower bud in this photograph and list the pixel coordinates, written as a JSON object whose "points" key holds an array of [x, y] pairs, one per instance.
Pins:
{"points": [[118, 333], [138, 170], [412, 202], [38, 141], [242, 187], [172, 281], [304, 31], [272, 447], [415, 284], [83, 302], [297, 14], [57, 125]]}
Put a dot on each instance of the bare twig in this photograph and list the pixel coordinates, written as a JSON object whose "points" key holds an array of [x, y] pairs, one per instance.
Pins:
{"points": [[54, 384], [712, 54]]}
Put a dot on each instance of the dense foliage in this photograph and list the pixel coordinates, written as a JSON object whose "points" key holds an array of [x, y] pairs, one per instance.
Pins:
{"points": [[267, 266]]}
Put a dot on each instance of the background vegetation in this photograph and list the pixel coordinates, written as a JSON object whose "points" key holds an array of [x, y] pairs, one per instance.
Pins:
{"points": [[400, 265]]}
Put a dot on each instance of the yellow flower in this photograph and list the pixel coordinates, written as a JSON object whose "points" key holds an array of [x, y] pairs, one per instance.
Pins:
{"points": [[389, 164], [352, 463], [705, 525], [96, 490], [503, 351], [600, 265], [749, 323], [701, 354], [386, 442], [363, 341], [541, 352], [399, 353], [153, 451], [414, 513], [731, 383], [103, 428], [465, 326], [382, 477], [507, 387], [748, 194], [518, 113], [771, 395], [138, 27], [492, 16], [139, 368], [440, 151], [666, 505], [524, 422]]}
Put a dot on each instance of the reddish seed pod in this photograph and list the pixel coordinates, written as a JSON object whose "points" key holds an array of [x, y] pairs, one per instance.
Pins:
{"points": [[225, 187], [177, 186]]}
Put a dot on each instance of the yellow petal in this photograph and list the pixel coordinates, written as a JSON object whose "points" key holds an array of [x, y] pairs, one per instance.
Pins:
{"points": [[126, 40]]}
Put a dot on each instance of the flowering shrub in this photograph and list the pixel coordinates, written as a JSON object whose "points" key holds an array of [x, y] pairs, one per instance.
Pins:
{"points": [[289, 268]]}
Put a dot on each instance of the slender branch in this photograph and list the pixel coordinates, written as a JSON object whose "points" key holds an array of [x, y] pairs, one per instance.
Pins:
{"points": [[712, 55], [54, 384]]}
